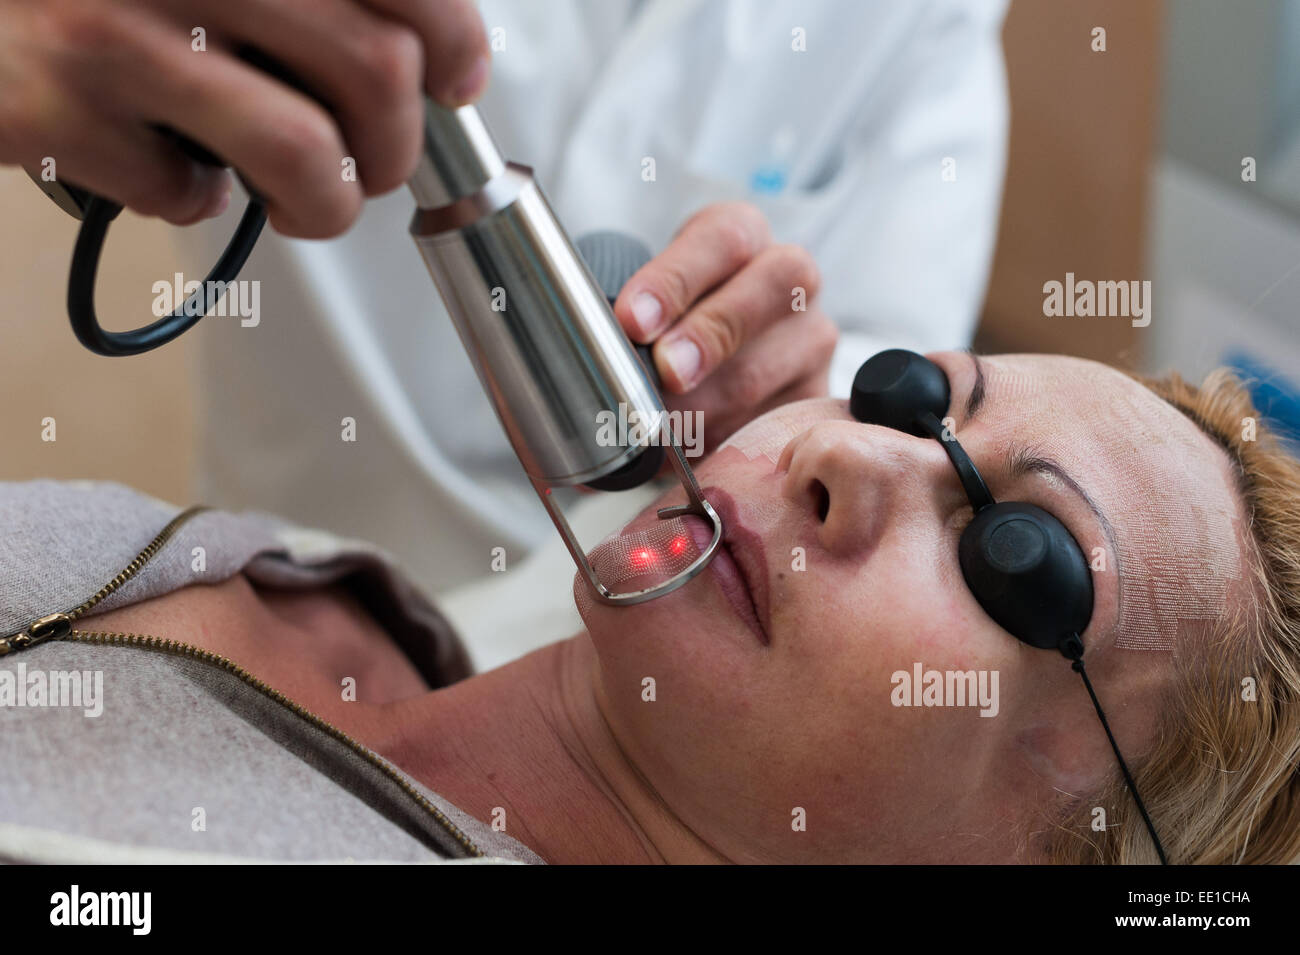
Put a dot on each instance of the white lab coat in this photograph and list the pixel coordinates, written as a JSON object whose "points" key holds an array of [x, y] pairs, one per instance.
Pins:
{"points": [[879, 146]]}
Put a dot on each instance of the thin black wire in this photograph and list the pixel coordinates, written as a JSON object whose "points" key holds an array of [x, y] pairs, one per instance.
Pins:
{"points": [[1077, 666]]}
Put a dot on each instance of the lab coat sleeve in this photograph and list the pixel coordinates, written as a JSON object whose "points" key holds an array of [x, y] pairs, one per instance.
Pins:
{"points": [[905, 259], [853, 349]]}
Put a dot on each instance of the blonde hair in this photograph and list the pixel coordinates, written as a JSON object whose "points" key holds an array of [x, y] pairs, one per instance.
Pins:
{"points": [[1220, 780]]}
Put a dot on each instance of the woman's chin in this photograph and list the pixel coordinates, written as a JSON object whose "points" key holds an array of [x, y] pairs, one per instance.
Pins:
{"points": [[693, 623]]}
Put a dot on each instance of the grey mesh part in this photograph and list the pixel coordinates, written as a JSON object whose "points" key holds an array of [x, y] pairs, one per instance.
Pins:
{"points": [[618, 565], [613, 258], [649, 553]]}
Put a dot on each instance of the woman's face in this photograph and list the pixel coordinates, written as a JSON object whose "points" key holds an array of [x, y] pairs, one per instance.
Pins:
{"points": [[780, 735]]}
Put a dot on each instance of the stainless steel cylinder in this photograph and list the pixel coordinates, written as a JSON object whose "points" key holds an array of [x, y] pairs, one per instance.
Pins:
{"points": [[459, 156], [539, 331], [542, 338]]}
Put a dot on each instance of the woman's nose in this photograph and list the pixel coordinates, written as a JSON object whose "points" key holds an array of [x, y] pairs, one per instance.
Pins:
{"points": [[854, 479]]}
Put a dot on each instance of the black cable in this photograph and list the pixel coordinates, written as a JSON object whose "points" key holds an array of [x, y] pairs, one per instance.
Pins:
{"points": [[85, 265], [1075, 653], [971, 480]]}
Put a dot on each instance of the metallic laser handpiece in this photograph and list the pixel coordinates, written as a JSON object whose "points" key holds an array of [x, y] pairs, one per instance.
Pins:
{"points": [[539, 331]]}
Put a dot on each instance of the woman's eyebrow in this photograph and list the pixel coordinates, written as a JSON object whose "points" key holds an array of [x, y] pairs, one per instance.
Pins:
{"points": [[1024, 461], [975, 400]]}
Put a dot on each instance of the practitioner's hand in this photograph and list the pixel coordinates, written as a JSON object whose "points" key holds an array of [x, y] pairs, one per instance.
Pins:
{"points": [[733, 317], [82, 81]]}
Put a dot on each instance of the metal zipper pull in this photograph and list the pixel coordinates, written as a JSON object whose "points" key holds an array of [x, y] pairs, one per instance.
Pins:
{"points": [[50, 627], [57, 625]]}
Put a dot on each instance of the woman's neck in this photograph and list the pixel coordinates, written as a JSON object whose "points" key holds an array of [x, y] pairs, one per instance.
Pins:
{"points": [[529, 739]]}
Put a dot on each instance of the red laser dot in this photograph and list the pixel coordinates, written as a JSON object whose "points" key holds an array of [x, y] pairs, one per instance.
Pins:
{"points": [[643, 558], [678, 545]]}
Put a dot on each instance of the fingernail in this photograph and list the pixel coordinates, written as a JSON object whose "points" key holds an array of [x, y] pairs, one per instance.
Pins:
{"points": [[221, 204], [647, 312], [218, 204], [683, 357], [472, 83]]}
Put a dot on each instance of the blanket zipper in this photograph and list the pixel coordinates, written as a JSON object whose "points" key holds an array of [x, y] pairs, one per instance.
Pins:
{"points": [[58, 626]]}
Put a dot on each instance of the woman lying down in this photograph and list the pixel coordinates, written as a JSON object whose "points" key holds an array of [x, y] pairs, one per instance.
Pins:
{"points": [[252, 690]]}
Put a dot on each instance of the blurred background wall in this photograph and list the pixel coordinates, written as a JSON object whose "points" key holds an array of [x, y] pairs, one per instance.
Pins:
{"points": [[1224, 229], [123, 419], [1174, 157], [1124, 164], [1083, 134]]}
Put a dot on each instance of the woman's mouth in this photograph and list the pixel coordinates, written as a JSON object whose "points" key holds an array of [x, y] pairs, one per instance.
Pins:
{"points": [[649, 551], [735, 587]]}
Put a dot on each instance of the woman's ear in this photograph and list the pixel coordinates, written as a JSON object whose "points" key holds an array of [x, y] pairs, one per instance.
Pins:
{"points": [[1066, 758]]}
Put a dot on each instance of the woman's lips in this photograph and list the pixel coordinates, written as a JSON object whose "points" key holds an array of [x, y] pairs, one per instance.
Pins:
{"points": [[741, 565], [729, 576]]}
